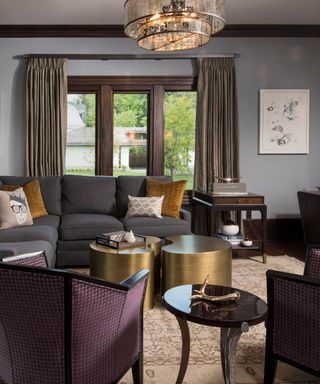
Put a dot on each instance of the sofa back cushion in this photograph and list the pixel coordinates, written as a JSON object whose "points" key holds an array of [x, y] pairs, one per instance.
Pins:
{"points": [[133, 186], [89, 194], [50, 190]]}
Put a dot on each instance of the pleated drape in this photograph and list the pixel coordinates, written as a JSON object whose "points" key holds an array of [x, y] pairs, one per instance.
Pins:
{"points": [[46, 100], [217, 133]]}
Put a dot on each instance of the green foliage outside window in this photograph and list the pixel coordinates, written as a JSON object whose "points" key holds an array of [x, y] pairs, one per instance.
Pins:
{"points": [[180, 116], [130, 110]]}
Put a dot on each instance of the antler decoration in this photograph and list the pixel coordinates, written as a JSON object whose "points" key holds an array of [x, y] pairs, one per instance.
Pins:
{"points": [[200, 294]]}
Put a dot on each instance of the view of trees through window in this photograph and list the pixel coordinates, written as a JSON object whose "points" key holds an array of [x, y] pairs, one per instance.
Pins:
{"points": [[81, 134], [179, 137], [130, 133]]}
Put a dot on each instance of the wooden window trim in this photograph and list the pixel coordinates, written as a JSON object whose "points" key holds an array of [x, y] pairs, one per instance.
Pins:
{"points": [[105, 87]]}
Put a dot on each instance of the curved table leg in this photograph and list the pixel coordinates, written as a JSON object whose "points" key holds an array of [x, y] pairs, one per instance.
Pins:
{"points": [[229, 338], [185, 349]]}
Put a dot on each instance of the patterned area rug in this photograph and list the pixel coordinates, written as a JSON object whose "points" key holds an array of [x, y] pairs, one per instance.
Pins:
{"points": [[162, 339]]}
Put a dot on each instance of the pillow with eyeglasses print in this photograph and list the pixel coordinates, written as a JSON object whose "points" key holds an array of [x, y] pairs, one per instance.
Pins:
{"points": [[14, 209]]}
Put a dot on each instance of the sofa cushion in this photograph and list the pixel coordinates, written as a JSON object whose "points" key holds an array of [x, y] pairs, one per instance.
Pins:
{"points": [[34, 232], [150, 226], [50, 190], [79, 226], [51, 220], [133, 186], [89, 194], [14, 209]]}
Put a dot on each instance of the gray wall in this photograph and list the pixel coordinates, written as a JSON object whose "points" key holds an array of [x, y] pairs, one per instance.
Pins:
{"points": [[266, 63]]}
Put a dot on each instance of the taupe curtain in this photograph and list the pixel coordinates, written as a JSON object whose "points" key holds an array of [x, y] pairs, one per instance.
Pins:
{"points": [[46, 100], [217, 135]]}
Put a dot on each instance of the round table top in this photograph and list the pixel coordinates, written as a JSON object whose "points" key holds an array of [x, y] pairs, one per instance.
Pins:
{"points": [[194, 244], [127, 251], [248, 309]]}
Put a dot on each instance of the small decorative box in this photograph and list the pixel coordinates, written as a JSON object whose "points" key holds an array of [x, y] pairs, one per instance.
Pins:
{"points": [[117, 240]]}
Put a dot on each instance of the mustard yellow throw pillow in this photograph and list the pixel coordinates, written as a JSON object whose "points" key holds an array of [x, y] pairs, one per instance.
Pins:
{"points": [[33, 194], [172, 192]]}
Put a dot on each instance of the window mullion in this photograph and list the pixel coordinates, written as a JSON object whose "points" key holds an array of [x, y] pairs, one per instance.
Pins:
{"points": [[156, 134]]}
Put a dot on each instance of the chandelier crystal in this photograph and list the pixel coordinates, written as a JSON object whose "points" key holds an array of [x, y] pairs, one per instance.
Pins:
{"points": [[173, 25]]}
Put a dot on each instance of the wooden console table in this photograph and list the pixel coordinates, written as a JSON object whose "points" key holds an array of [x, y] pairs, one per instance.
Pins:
{"points": [[239, 203]]}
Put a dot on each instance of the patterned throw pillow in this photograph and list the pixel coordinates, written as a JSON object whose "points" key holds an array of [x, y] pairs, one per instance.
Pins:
{"points": [[14, 209], [34, 197], [144, 206], [172, 192]]}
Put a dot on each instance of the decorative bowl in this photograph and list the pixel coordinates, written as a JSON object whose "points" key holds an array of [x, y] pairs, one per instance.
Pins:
{"points": [[230, 228], [246, 243]]}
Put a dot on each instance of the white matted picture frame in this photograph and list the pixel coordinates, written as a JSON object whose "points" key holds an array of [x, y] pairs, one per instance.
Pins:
{"points": [[284, 121]]}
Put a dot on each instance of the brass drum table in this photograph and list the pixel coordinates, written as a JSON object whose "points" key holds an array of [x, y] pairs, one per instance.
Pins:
{"points": [[117, 264], [188, 259], [233, 318]]}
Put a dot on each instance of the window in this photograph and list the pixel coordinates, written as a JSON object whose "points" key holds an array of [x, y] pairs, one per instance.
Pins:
{"points": [[130, 145], [81, 134], [179, 136], [143, 126]]}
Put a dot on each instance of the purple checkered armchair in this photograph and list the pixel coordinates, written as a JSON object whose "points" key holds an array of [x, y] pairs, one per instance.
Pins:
{"points": [[59, 327], [293, 325]]}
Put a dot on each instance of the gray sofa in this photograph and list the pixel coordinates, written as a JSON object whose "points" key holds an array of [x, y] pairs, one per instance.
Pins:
{"points": [[79, 208]]}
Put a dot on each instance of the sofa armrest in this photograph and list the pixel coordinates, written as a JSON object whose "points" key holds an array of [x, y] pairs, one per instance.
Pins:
{"points": [[185, 215], [5, 252]]}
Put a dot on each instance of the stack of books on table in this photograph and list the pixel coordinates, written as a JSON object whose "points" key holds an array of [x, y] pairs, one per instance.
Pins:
{"points": [[234, 240]]}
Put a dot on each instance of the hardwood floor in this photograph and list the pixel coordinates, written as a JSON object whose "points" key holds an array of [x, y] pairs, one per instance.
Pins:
{"points": [[293, 248]]}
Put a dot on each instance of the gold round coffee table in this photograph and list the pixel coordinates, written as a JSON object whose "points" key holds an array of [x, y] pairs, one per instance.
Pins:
{"points": [[117, 264], [188, 259]]}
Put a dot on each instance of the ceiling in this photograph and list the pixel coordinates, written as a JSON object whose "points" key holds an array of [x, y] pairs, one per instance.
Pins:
{"points": [[111, 12]]}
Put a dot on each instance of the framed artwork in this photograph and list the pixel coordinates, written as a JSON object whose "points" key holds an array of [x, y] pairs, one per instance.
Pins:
{"points": [[284, 121]]}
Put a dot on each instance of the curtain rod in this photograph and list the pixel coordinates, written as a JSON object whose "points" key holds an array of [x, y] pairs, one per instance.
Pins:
{"points": [[126, 56]]}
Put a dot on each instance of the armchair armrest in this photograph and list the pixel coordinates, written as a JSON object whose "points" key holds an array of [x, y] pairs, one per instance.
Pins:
{"points": [[132, 280], [34, 259], [185, 215]]}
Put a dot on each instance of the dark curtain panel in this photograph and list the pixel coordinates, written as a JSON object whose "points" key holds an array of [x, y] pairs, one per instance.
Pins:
{"points": [[46, 116], [217, 133]]}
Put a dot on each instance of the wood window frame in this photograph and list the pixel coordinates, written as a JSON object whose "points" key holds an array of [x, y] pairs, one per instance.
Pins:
{"points": [[104, 87]]}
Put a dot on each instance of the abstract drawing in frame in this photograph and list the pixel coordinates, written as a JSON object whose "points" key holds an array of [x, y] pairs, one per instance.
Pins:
{"points": [[284, 121]]}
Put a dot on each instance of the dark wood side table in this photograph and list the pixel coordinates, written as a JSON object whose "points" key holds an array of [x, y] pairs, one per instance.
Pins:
{"points": [[233, 318], [248, 203]]}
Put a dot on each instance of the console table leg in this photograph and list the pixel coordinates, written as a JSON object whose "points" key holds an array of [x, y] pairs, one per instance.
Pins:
{"points": [[264, 258], [185, 349], [229, 338]]}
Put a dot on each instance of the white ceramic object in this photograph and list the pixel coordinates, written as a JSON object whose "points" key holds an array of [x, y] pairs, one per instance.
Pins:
{"points": [[129, 237], [230, 229], [246, 243]]}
